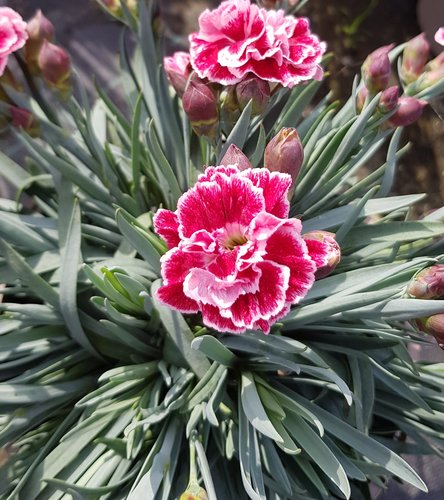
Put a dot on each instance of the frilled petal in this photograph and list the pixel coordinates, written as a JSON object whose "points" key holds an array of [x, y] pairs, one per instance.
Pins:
{"points": [[173, 296], [166, 226], [211, 317], [213, 205], [275, 186], [267, 301], [318, 252], [176, 264]]}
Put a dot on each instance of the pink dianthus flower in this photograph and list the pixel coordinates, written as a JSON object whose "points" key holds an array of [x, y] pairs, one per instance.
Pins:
{"points": [[13, 34], [233, 254], [239, 38], [439, 36]]}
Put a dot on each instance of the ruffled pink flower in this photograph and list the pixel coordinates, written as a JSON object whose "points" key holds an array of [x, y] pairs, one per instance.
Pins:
{"points": [[178, 68], [439, 36], [13, 34], [234, 255], [239, 38]]}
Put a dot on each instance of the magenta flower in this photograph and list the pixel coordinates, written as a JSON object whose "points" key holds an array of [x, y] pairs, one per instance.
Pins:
{"points": [[239, 38], [13, 34], [234, 255], [178, 69]]}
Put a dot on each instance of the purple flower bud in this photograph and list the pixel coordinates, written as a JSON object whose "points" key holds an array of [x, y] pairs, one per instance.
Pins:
{"points": [[409, 110], [428, 283], [39, 29], [333, 257], [433, 325], [55, 65], [414, 58], [22, 118], [361, 98], [284, 153], [389, 99], [178, 69], [200, 104], [234, 156], [253, 88], [376, 69]]}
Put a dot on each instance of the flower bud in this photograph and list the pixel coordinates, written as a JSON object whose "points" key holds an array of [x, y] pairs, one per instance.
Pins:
{"points": [[284, 153], [361, 98], [39, 28], [389, 99], [409, 110], [234, 156], [433, 325], [55, 66], [24, 119], [376, 69], [194, 493], [114, 7], [428, 283], [426, 80], [436, 63], [229, 108], [255, 89], [200, 104], [333, 257], [414, 58], [178, 69]]}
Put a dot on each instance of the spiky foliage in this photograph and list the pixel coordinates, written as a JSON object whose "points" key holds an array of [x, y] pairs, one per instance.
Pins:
{"points": [[108, 394]]}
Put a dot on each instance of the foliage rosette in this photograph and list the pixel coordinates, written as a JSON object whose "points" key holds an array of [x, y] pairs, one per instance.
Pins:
{"points": [[117, 381]]}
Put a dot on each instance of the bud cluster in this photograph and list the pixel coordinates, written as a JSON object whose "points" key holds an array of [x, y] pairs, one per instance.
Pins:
{"points": [[209, 105], [429, 284], [415, 73]]}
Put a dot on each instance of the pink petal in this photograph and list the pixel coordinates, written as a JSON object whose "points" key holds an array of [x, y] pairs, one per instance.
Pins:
{"points": [[318, 252], [176, 264], [275, 186], [213, 205], [211, 317], [173, 296], [166, 226], [439, 36]]}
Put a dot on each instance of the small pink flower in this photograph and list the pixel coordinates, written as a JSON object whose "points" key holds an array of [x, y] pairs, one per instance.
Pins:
{"points": [[439, 36], [13, 34], [239, 38], [234, 255]]}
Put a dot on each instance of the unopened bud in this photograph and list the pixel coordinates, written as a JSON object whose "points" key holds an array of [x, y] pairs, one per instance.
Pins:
{"points": [[200, 104], [24, 119], [114, 7], [436, 63], [376, 69], [389, 99], [426, 80], [433, 325], [254, 89], [229, 107], [428, 283], [55, 66], [234, 156], [327, 255], [414, 58], [409, 110], [178, 69], [39, 29], [284, 153]]}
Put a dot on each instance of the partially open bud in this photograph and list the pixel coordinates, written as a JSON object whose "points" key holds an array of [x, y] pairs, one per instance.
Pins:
{"points": [[433, 325], [255, 89], [284, 153], [409, 110], [376, 69], [55, 66], [428, 283], [389, 99], [22, 118], [414, 58], [329, 254], [178, 69], [234, 156], [39, 29], [200, 104]]}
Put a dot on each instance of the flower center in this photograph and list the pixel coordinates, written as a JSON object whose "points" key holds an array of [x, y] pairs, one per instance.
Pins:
{"points": [[234, 241], [233, 236]]}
